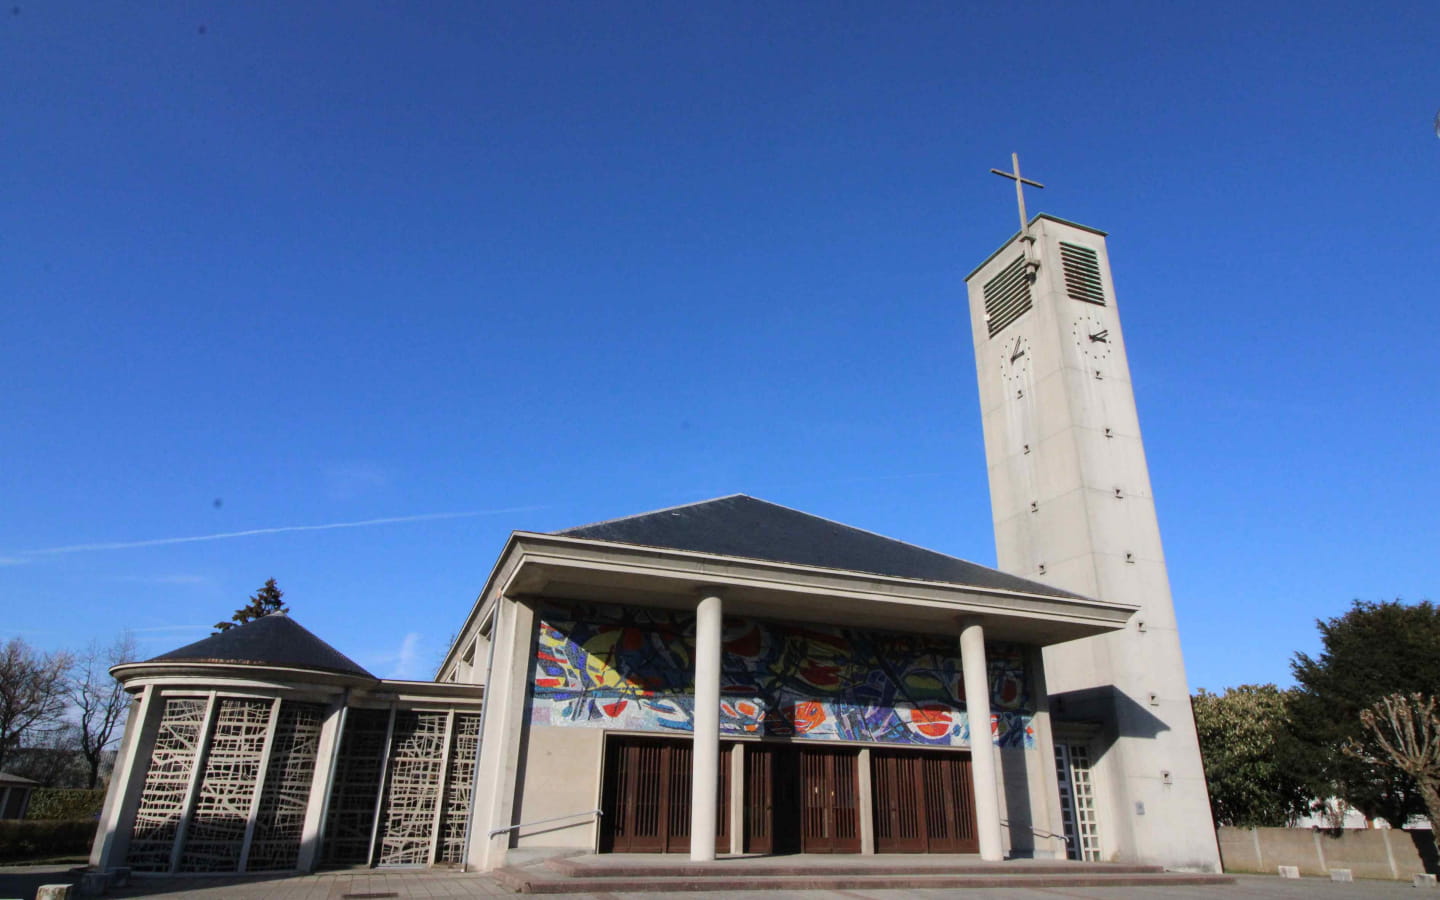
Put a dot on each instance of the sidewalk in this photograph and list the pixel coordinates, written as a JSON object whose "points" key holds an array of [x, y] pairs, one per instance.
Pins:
{"points": [[403, 885]]}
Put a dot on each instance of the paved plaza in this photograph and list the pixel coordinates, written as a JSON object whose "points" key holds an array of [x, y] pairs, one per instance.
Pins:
{"points": [[20, 884]]}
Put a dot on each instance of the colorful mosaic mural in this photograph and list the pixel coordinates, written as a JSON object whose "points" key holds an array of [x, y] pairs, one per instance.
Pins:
{"points": [[630, 668]]}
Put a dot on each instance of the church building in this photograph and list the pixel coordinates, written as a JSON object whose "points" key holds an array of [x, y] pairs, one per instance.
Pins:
{"points": [[737, 677]]}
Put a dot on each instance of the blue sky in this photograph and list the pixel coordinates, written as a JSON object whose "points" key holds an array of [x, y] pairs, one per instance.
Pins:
{"points": [[541, 264]]}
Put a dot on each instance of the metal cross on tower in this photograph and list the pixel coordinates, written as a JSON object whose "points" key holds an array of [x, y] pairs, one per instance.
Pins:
{"points": [[1030, 262]]}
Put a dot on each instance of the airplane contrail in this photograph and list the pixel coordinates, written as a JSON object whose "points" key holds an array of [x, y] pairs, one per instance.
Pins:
{"points": [[24, 555]]}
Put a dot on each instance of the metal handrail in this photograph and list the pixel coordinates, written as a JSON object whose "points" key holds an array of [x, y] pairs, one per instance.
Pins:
{"points": [[588, 812], [1040, 832]]}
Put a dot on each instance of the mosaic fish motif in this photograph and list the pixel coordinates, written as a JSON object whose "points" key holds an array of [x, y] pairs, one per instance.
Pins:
{"points": [[630, 668]]}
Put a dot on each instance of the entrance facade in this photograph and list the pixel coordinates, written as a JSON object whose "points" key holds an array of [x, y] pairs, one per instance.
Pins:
{"points": [[797, 798]]}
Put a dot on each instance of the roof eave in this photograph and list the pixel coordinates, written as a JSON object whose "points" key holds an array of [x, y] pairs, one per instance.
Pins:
{"points": [[542, 564]]}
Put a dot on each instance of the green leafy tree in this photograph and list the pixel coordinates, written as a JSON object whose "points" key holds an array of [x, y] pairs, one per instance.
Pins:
{"points": [[1374, 650], [1247, 750], [263, 603]]}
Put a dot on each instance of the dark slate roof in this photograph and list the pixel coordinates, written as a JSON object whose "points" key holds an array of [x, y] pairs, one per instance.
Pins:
{"points": [[274, 640], [743, 526], [16, 780]]}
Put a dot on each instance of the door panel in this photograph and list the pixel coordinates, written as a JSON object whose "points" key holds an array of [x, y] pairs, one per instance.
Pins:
{"points": [[759, 799], [647, 796], [829, 814], [924, 802]]}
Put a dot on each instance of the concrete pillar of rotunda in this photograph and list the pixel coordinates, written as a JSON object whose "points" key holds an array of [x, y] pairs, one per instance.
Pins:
{"points": [[982, 745], [706, 755]]}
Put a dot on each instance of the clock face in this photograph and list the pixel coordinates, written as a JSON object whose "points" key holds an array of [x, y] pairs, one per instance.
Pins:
{"points": [[1015, 359], [1092, 337]]}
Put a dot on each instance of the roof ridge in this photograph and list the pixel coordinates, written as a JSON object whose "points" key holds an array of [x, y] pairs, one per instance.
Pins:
{"points": [[654, 512], [885, 537]]}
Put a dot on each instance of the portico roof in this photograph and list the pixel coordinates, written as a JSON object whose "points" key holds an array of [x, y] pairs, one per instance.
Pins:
{"points": [[749, 528], [774, 562]]}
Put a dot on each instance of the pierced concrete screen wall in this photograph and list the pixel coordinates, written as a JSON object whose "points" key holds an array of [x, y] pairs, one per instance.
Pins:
{"points": [[428, 778], [286, 795], [227, 788], [350, 820], [167, 781], [464, 751], [417, 761], [1007, 296], [1082, 273]]}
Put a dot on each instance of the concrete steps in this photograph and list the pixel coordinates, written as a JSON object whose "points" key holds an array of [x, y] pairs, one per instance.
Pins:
{"points": [[615, 874]]}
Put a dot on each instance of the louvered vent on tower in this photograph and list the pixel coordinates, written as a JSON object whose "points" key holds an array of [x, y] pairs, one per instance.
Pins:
{"points": [[1082, 273], [1007, 296]]}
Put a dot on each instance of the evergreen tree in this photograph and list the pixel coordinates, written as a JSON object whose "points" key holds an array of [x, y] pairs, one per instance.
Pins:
{"points": [[265, 602], [1373, 650]]}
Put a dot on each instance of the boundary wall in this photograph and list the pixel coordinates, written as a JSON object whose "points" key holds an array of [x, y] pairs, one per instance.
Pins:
{"points": [[1380, 853]]}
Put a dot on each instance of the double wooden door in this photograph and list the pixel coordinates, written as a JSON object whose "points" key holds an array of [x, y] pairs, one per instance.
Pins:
{"points": [[801, 799], [797, 799], [923, 802], [647, 797]]}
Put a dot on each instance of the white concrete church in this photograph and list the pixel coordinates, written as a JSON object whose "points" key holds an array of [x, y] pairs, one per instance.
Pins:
{"points": [[734, 676]]}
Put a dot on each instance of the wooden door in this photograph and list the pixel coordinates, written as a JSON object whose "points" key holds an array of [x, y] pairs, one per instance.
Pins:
{"points": [[829, 807], [647, 797], [760, 798], [923, 802], [895, 781]]}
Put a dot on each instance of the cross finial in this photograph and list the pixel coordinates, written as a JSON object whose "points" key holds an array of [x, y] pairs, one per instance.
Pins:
{"points": [[1019, 192]]}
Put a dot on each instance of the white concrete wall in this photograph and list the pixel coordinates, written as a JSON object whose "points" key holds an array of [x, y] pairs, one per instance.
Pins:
{"points": [[562, 777], [1054, 476]]}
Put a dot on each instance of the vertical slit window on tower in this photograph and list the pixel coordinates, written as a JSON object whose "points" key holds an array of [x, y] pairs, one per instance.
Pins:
{"points": [[1007, 296], [1082, 273]]}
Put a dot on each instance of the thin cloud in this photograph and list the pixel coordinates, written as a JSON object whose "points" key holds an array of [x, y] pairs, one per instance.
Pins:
{"points": [[160, 579], [25, 556], [404, 663]]}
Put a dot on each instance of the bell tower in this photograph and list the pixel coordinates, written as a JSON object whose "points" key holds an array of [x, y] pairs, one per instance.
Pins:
{"points": [[1072, 507]]}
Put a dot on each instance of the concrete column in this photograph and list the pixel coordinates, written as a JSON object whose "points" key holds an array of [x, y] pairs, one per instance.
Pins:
{"points": [[500, 745], [327, 754], [127, 781], [867, 803], [982, 745], [706, 766], [737, 799]]}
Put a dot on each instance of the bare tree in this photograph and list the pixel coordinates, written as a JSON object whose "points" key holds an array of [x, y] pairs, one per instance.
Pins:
{"points": [[1406, 728], [32, 692], [50, 758], [99, 700]]}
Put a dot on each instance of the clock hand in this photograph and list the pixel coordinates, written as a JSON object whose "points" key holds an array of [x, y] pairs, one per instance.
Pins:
{"points": [[1102, 336]]}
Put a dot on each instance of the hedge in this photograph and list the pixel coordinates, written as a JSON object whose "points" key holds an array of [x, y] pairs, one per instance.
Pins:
{"points": [[65, 803], [22, 839]]}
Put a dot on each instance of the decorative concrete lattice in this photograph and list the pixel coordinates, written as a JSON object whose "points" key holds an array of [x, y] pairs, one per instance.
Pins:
{"points": [[351, 816], [162, 800], [227, 789], [417, 764], [286, 795], [459, 787]]}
